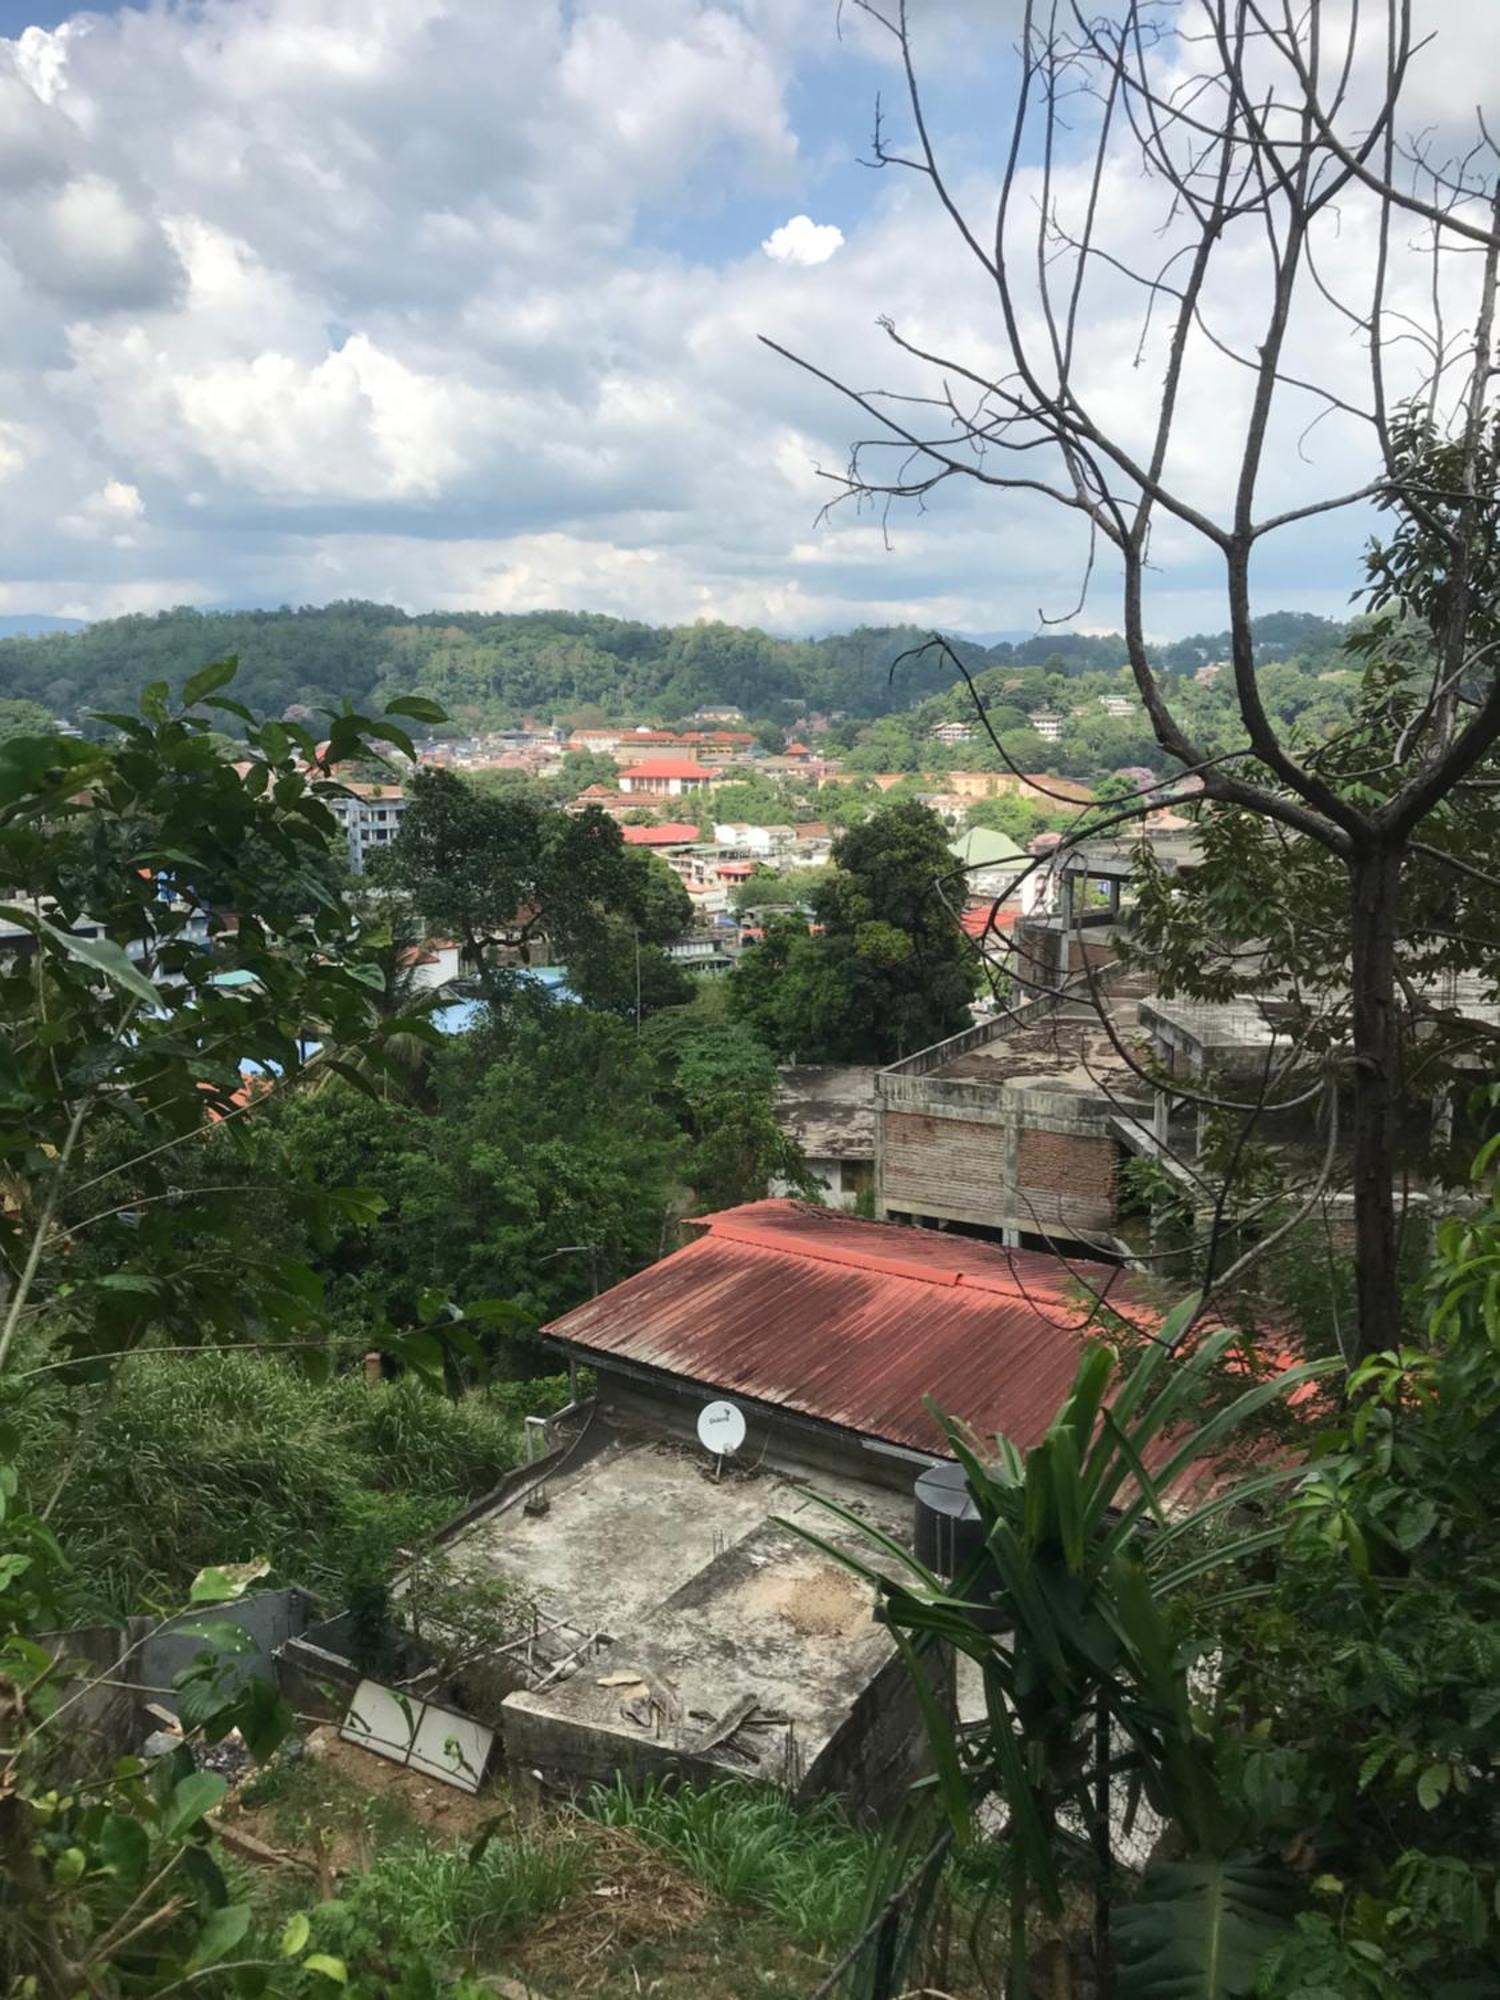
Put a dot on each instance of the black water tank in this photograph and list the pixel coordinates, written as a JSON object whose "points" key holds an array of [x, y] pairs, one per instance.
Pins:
{"points": [[948, 1528], [949, 1534]]}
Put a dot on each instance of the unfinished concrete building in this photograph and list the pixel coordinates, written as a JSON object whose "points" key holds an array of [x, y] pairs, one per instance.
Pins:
{"points": [[1013, 1126], [1010, 1127], [681, 1625]]}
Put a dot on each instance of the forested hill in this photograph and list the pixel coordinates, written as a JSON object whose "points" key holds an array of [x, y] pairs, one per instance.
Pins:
{"points": [[495, 668]]}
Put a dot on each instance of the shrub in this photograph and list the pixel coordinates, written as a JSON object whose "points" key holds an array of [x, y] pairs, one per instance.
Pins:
{"points": [[185, 1461]]}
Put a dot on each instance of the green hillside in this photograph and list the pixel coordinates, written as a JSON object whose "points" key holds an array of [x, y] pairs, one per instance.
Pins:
{"points": [[494, 668]]}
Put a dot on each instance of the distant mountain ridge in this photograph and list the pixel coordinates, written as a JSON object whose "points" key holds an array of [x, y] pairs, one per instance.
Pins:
{"points": [[33, 624], [491, 668]]}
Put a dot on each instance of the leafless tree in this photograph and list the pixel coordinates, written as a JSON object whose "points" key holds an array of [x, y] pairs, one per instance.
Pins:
{"points": [[1262, 131]]}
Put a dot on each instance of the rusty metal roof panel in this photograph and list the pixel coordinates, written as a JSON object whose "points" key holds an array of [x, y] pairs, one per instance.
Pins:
{"points": [[855, 1323]]}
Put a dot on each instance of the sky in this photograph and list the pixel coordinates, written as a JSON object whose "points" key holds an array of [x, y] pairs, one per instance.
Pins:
{"points": [[455, 304]]}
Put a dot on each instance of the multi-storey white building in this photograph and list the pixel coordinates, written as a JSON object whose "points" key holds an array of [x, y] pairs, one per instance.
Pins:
{"points": [[371, 818]]}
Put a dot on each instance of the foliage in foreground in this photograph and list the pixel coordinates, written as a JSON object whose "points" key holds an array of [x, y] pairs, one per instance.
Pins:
{"points": [[1300, 1674], [183, 919]]}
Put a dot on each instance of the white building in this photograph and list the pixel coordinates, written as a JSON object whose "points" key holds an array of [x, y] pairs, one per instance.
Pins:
{"points": [[371, 818], [1047, 722], [953, 732], [666, 777]]}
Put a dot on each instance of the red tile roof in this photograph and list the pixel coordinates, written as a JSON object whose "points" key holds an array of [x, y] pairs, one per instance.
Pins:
{"points": [[668, 767], [856, 1322], [675, 833], [982, 919]]}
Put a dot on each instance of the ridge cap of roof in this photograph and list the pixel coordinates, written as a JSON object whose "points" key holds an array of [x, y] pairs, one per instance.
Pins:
{"points": [[724, 1227]]}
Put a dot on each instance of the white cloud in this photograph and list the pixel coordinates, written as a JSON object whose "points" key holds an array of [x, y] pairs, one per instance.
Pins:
{"points": [[458, 303], [93, 249], [110, 514], [803, 241]]}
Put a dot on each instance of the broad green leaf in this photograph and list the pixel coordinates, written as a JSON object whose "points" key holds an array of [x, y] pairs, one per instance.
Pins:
{"points": [[208, 680], [497, 1312], [360, 1204], [11, 1567], [103, 954], [234, 708], [331, 1968], [124, 1847], [1199, 1929], [418, 707], [388, 732], [263, 1716], [223, 1582], [219, 1936], [191, 1798], [1432, 1786], [220, 1633], [294, 1937]]}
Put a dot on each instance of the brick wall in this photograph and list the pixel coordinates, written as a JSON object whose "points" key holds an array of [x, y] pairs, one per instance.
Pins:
{"points": [[1068, 1166], [996, 1174]]}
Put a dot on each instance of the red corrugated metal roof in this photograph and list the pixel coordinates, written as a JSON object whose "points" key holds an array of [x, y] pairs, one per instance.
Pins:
{"points": [[856, 1322]]}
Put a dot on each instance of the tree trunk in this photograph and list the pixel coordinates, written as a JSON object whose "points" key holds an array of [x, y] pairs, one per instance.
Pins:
{"points": [[1375, 884]]}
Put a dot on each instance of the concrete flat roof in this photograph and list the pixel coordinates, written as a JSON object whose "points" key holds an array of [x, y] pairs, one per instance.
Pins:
{"points": [[1067, 1052], [692, 1582], [1212, 1025]]}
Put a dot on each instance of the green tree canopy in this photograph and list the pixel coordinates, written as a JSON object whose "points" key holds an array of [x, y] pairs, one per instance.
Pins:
{"points": [[891, 971], [23, 718], [490, 868]]}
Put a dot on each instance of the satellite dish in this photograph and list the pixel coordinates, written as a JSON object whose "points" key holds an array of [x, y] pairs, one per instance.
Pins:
{"points": [[721, 1428]]}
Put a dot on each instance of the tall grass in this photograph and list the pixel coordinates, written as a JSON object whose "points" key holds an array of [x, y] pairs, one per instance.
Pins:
{"points": [[806, 1867], [187, 1460], [439, 1904]]}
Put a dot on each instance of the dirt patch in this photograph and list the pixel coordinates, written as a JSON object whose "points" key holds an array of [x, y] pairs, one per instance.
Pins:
{"points": [[336, 1804], [637, 1896], [443, 1809], [821, 1602]]}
